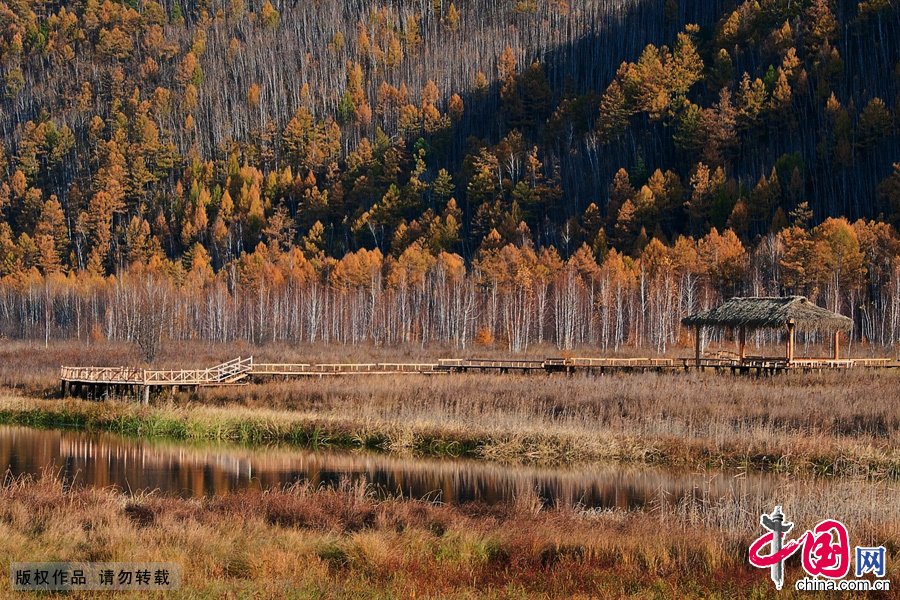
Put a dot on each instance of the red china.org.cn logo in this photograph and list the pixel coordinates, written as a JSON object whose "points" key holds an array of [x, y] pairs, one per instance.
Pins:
{"points": [[826, 556]]}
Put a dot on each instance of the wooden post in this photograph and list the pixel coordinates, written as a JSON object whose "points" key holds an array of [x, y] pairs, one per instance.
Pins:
{"points": [[145, 396], [742, 344], [697, 345], [837, 344], [790, 342]]}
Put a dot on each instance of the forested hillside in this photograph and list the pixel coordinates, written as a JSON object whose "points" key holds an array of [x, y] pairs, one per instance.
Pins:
{"points": [[582, 172]]}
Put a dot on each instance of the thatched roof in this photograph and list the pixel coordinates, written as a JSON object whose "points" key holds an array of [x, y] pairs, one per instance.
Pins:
{"points": [[771, 313]]}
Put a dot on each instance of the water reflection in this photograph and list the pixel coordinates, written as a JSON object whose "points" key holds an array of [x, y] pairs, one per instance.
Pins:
{"points": [[102, 460]]}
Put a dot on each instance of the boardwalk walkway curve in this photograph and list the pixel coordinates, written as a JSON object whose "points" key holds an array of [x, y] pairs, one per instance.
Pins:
{"points": [[100, 382]]}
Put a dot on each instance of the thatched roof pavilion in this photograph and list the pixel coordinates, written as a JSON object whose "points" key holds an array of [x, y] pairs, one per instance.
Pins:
{"points": [[789, 312]]}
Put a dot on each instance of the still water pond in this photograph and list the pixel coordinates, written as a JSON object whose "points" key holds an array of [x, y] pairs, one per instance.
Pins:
{"points": [[186, 470]]}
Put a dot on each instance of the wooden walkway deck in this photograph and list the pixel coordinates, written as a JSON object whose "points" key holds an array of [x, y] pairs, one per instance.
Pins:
{"points": [[223, 374], [100, 382]]}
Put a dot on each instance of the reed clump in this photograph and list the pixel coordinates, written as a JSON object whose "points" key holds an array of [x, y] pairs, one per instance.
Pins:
{"points": [[345, 542]]}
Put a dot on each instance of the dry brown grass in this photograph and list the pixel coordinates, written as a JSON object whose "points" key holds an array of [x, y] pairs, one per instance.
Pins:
{"points": [[30, 366], [840, 422], [342, 543], [835, 422]]}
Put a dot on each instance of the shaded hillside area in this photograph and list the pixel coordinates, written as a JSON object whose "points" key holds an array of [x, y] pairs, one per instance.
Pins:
{"points": [[362, 117], [731, 147]]}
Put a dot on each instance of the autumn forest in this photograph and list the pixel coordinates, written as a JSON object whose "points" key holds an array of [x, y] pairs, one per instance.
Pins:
{"points": [[502, 173]]}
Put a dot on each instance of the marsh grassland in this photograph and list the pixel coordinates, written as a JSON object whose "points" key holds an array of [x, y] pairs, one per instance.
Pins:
{"points": [[301, 542], [833, 423], [835, 434]]}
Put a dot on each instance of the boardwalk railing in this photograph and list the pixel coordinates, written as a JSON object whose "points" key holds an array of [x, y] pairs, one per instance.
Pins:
{"points": [[227, 372], [462, 363], [871, 362], [609, 362], [239, 369], [123, 375], [279, 369], [407, 367], [231, 371], [339, 368]]}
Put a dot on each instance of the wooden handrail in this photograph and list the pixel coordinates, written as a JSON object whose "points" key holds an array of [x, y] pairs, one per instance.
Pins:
{"points": [[234, 370]]}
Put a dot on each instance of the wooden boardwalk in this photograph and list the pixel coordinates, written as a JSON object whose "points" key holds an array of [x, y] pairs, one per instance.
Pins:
{"points": [[223, 374], [102, 382], [97, 382]]}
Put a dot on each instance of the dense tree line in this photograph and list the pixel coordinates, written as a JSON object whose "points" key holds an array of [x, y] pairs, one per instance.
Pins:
{"points": [[533, 138], [512, 296]]}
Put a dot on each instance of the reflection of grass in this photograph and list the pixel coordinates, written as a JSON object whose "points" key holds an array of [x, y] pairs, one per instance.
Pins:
{"points": [[829, 424], [243, 426], [344, 543]]}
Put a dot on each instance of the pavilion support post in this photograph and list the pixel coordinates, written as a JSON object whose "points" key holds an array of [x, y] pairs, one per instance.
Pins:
{"points": [[790, 343], [837, 345], [697, 345], [742, 344]]}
